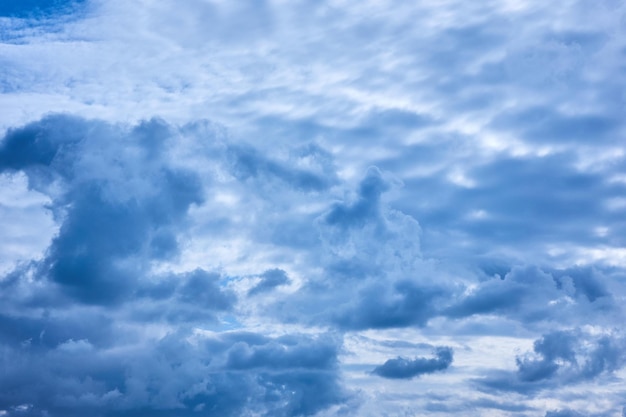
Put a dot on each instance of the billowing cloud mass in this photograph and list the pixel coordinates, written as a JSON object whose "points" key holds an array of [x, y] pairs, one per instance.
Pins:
{"points": [[211, 208]]}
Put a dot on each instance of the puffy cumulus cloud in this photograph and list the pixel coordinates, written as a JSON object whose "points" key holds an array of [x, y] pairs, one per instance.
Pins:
{"points": [[369, 250], [102, 324], [404, 368], [362, 237], [118, 209]]}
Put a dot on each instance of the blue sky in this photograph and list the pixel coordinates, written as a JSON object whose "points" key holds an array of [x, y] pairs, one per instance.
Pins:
{"points": [[304, 208]]}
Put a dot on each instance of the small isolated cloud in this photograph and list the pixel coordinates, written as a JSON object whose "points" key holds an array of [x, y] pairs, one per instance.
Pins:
{"points": [[270, 279], [403, 368]]}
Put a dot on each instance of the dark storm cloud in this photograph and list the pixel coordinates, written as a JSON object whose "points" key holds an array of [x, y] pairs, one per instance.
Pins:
{"points": [[115, 206], [403, 368]]}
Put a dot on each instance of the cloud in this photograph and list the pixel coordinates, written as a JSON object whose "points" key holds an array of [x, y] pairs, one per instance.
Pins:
{"points": [[374, 276], [248, 163], [294, 375], [118, 209], [563, 413], [507, 294], [437, 173], [127, 223], [403, 368], [380, 306], [270, 279], [120, 214], [548, 126], [562, 358]]}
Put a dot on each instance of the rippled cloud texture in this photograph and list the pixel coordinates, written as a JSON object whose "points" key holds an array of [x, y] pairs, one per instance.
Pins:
{"points": [[306, 208]]}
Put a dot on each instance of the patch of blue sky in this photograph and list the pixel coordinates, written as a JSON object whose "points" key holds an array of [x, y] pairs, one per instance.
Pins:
{"points": [[37, 9]]}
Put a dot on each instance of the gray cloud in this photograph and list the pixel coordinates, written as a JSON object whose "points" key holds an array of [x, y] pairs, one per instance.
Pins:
{"points": [[561, 357], [502, 122], [403, 368], [115, 206], [171, 375], [270, 279]]}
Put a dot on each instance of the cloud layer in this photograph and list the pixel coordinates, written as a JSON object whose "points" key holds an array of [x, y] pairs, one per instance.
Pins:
{"points": [[312, 208]]}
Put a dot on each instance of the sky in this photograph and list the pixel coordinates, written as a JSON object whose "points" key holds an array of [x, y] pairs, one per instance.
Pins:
{"points": [[312, 208]]}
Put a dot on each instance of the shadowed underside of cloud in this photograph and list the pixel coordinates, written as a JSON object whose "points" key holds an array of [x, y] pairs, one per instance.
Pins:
{"points": [[403, 368], [229, 374]]}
